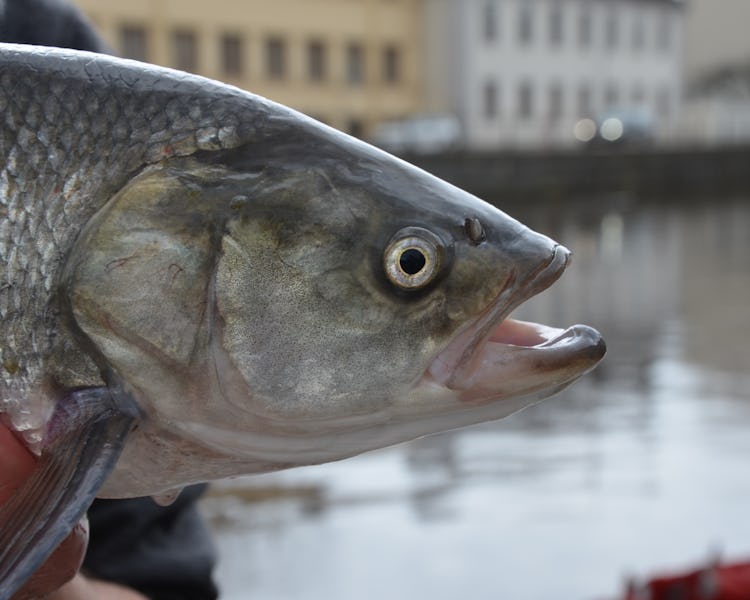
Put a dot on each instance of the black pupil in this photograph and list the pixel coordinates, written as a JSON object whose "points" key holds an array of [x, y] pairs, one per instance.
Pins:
{"points": [[412, 261]]}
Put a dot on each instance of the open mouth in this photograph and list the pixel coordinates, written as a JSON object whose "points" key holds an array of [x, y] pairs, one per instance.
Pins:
{"points": [[497, 357]]}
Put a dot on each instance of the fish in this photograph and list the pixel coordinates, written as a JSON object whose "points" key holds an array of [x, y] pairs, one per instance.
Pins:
{"points": [[200, 283]]}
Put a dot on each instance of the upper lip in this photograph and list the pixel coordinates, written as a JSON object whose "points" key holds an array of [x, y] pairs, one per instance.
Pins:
{"points": [[462, 348]]}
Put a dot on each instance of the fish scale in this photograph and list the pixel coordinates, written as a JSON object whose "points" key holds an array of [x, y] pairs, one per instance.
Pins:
{"points": [[70, 151]]}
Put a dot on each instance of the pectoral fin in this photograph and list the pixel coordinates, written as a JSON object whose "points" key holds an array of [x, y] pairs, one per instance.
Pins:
{"points": [[84, 440]]}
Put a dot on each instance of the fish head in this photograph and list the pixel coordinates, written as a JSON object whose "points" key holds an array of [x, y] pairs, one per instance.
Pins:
{"points": [[298, 306]]}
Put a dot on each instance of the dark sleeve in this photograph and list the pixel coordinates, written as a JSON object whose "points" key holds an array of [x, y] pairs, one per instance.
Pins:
{"points": [[165, 553], [48, 23]]}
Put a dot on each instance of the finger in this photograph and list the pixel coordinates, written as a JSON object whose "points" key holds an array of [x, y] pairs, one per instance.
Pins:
{"points": [[60, 567]]}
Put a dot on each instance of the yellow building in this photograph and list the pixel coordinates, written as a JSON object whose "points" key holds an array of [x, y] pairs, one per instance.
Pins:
{"points": [[349, 63]]}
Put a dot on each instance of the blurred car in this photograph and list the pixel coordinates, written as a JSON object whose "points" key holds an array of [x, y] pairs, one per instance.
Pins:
{"points": [[632, 126], [424, 134], [714, 582]]}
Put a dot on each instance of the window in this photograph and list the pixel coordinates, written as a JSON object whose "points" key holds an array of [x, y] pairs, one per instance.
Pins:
{"points": [[638, 37], [525, 101], [611, 29], [611, 96], [185, 50], [355, 64], [231, 54], [663, 103], [275, 58], [391, 64], [585, 108], [356, 128], [489, 20], [525, 22], [638, 94], [555, 23], [316, 60], [664, 33], [134, 42], [490, 100], [555, 102], [584, 25]]}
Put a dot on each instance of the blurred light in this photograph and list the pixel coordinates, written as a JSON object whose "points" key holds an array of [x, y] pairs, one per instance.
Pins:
{"points": [[612, 129], [585, 130]]}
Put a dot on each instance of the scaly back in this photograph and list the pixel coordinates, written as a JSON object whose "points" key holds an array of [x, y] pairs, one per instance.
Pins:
{"points": [[75, 127]]}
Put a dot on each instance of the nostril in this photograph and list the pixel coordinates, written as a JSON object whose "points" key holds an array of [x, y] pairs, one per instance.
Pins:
{"points": [[474, 230]]}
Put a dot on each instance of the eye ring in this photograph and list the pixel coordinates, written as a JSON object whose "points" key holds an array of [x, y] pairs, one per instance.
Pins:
{"points": [[413, 257]]}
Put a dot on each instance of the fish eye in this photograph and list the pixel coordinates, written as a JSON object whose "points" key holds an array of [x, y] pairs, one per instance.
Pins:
{"points": [[412, 258]]}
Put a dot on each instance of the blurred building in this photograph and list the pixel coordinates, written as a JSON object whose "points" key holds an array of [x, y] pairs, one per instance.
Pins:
{"points": [[717, 72], [523, 73], [349, 63], [715, 36], [428, 74]]}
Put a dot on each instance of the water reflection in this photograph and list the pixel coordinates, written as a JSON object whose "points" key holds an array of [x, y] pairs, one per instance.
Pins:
{"points": [[640, 466]]}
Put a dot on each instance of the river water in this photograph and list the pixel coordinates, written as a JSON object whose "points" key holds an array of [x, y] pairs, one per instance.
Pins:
{"points": [[642, 466]]}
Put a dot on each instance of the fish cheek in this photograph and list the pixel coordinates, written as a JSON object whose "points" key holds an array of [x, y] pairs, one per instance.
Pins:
{"points": [[300, 324]]}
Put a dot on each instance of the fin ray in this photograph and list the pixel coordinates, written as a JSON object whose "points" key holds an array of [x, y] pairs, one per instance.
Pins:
{"points": [[84, 440]]}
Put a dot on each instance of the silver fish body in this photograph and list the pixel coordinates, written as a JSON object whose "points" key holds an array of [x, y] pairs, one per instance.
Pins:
{"points": [[74, 130], [268, 292]]}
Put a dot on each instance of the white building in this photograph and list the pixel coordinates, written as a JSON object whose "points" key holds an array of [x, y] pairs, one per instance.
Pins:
{"points": [[716, 108], [522, 73]]}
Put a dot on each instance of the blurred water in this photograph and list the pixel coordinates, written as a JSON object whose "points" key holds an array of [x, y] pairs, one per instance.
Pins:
{"points": [[641, 466]]}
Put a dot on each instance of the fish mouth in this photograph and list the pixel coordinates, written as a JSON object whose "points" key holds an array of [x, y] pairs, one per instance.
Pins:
{"points": [[497, 357]]}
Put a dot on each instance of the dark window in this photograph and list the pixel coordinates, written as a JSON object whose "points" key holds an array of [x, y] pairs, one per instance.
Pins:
{"points": [[664, 33], [611, 29], [356, 128], [491, 108], [663, 103], [638, 95], [489, 20], [555, 102], [231, 54], [525, 101], [391, 64], [275, 58], [134, 42], [585, 108], [185, 50], [611, 96], [316, 60], [355, 64], [639, 33], [525, 22], [555, 23], [584, 25]]}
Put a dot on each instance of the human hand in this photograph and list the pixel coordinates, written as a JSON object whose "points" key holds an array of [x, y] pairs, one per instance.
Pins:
{"points": [[16, 465], [58, 578]]}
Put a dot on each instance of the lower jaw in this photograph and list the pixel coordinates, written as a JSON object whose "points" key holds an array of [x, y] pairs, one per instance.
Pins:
{"points": [[522, 358]]}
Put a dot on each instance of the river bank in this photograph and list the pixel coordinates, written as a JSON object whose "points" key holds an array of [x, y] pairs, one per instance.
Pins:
{"points": [[646, 172]]}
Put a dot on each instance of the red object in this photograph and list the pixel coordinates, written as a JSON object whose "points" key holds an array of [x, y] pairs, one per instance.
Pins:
{"points": [[714, 582]]}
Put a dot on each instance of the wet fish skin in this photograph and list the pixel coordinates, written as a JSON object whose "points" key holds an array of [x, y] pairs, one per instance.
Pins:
{"points": [[74, 130], [212, 269], [235, 243], [280, 294]]}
